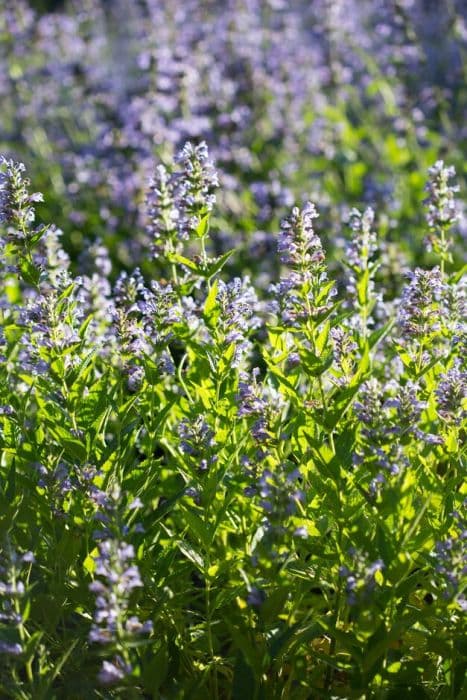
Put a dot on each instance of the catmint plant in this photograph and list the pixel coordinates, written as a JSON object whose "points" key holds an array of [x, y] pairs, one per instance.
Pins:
{"points": [[219, 476], [359, 257], [304, 294], [17, 216], [116, 577], [14, 571], [180, 203], [441, 209]]}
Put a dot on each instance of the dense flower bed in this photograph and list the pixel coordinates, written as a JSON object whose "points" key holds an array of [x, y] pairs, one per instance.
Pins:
{"points": [[232, 339], [212, 488]]}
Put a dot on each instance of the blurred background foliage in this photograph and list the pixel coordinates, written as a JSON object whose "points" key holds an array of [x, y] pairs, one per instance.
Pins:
{"points": [[46, 5], [334, 100]]}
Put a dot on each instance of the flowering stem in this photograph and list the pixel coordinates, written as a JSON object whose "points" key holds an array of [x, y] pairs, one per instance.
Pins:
{"points": [[202, 244]]}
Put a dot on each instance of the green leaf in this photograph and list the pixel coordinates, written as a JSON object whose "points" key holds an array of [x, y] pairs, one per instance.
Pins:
{"points": [[316, 366], [339, 404], [190, 553], [176, 258], [379, 334], [211, 270], [37, 235], [155, 670], [30, 647], [244, 682], [29, 272], [210, 303], [198, 527], [202, 229]]}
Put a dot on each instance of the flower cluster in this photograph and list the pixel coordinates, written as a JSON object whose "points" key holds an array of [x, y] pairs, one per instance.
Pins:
{"points": [[117, 576], [451, 394], [16, 203], [142, 320], [389, 414], [298, 245], [441, 201], [344, 348], [53, 317], [179, 200], [420, 306], [304, 294], [280, 493], [237, 301], [163, 213], [197, 441], [359, 260], [361, 577], [450, 559], [14, 571], [255, 401], [196, 184]]}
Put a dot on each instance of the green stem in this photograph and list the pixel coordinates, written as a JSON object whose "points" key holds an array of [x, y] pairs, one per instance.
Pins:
{"points": [[207, 597], [202, 244], [443, 249]]}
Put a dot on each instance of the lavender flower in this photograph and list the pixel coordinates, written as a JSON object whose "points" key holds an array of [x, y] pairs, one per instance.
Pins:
{"points": [[344, 351], [163, 213], [53, 319], [304, 294], [128, 288], [451, 394], [298, 245], [450, 560], [13, 573], [135, 378], [118, 577], [420, 304], [359, 260], [280, 493], [179, 199], [114, 671], [17, 215], [144, 321], [160, 308], [258, 401], [408, 408], [196, 184], [369, 410], [50, 256], [360, 577], [16, 204], [454, 314], [250, 395], [197, 442], [363, 245], [388, 413], [237, 301], [441, 202]]}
